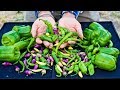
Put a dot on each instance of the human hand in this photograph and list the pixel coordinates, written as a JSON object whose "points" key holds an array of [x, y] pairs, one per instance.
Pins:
{"points": [[39, 27], [69, 21]]}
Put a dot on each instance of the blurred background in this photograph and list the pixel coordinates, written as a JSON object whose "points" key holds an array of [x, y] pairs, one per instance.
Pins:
{"points": [[17, 16]]}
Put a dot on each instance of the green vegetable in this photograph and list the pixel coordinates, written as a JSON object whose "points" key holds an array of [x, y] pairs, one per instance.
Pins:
{"points": [[95, 50], [110, 44], [9, 53], [105, 61], [44, 67], [91, 69], [30, 44], [111, 51], [58, 70], [25, 31], [55, 57], [42, 59], [70, 68], [49, 26], [10, 38], [90, 48], [21, 44], [45, 51], [45, 38], [23, 66], [71, 59], [66, 36], [82, 67], [54, 38], [76, 69]]}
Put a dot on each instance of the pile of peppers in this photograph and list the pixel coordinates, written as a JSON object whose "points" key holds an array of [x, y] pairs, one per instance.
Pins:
{"points": [[97, 51]]}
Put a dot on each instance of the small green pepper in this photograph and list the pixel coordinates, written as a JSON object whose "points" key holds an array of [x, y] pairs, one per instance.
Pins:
{"points": [[76, 69], [42, 59], [82, 67], [44, 67], [110, 44], [30, 44], [91, 69], [45, 51], [58, 70], [95, 50], [23, 66], [71, 59], [70, 68], [55, 57], [45, 38], [90, 48]]}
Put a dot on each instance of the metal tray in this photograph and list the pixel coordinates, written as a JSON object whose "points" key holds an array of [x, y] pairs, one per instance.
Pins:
{"points": [[9, 72]]}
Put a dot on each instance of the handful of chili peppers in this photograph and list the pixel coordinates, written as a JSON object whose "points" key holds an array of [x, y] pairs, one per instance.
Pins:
{"points": [[59, 50]]}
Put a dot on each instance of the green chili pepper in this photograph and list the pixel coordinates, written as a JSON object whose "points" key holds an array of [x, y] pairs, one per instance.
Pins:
{"points": [[61, 31], [45, 38], [76, 69], [89, 55], [23, 66], [30, 44], [95, 50], [49, 26], [45, 51], [91, 69], [54, 38], [44, 67], [90, 48], [42, 59], [82, 46], [82, 67], [70, 68], [55, 57], [29, 61], [21, 56], [66, 36], [58, 71], [110, 44], [79, 58], [71, 59], [37, 58]]}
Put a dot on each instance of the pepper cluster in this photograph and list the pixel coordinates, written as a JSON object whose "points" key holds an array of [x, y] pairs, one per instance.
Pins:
{"points": [[58, 50]]}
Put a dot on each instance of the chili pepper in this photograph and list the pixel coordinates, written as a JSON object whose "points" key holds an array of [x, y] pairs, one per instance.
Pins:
{"points": [[49, 26], [37, 70], [44, 67], [63, 56], [45, 38], [76, 69], [45, 51], [10, 38], [72, 39], [87, 33], [55, 57], [71, 59], [95, 50], [58, 70], [90, 48], [70, 68], [89, 55], [82, 46], [93, 59], [91, 69], [30, 44], [70, 72], [80, 74], [82, 67], [62, 32], [41, 63], [36, 50], [23, 66], [54, 38], [66, 36], [79, 58], [110, 44], [42, 59]]}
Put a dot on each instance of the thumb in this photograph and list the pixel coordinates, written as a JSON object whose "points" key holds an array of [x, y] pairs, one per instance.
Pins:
{"points": [[79, 30], [34, 29]]}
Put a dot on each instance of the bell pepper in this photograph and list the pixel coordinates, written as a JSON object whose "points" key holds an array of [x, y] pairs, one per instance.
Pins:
{"points": [[10, 38], [111, 51], [105, 61], [21, 44], [9, 54], [25, 31]]}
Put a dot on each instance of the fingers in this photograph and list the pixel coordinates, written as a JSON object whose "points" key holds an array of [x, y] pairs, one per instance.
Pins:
{"points": [[63, 45], [38, 41], [33, 31], [79, 30]]}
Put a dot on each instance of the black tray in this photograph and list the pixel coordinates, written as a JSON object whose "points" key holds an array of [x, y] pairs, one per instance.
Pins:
{"points": [[9, 72]]}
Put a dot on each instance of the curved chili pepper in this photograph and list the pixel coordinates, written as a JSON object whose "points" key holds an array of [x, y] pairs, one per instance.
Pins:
{"points": [[30, 44], [70, 68], [71, 59], [23, 66], [91, 69], [90, 48], [44, 67], [82, 67], [66, 36], [49, 26], [55, 57], [62, 32], [45, 51], [58, 70], [54, 38], [45, 38], [110, 44], [95, 50]]}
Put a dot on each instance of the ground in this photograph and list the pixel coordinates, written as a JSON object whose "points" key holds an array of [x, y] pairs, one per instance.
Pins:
{"points": [[17, 16]]}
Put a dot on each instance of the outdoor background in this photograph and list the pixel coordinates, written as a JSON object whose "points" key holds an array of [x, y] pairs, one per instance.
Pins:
{"points": [[17, 16]]}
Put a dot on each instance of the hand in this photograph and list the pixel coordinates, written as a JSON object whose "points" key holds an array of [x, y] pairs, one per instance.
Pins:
{"points": [[68, 21], [39, 27]]}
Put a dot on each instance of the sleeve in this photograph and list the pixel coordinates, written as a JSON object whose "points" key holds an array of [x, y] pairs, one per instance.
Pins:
{"points": [[76, 13]]}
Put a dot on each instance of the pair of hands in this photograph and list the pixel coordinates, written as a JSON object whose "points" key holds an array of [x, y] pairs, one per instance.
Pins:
{"points": [[68, 21]]}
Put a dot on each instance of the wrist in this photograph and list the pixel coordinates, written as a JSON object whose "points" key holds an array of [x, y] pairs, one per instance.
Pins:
{"points": [[68, 14]]}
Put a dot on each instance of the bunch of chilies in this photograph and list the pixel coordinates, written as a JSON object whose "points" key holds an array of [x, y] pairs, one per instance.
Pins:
{"points": [[58, 50]]}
